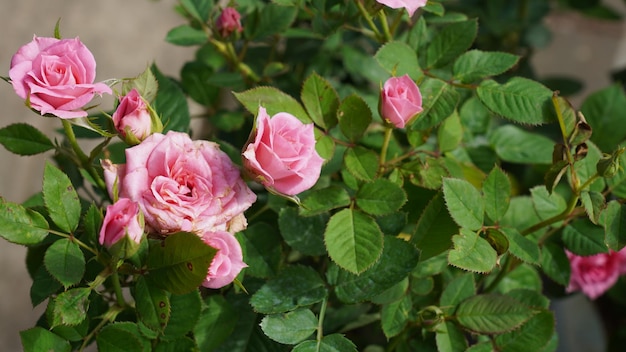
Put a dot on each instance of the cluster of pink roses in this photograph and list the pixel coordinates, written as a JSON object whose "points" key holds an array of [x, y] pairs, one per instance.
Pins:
{"points": [[595, 274]]}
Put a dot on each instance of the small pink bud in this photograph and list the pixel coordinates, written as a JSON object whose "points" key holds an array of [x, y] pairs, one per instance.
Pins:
{"points": [[134, 120], [229, 22], [122, 228], [400, 101]]}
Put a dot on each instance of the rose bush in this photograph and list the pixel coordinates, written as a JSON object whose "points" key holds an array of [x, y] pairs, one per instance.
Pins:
{"points": [[56, 76], [228, 260], [182, 185]]}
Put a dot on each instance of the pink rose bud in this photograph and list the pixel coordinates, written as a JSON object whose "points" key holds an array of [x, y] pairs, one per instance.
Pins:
{"points": [[134, 119], [400, 101], [282, 155], [55, 76], [122, 228], [181, 185], [410, 5], [228, 22], [228, 260], [595, 274]]}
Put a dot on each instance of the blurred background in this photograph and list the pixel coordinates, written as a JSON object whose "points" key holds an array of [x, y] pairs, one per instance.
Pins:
{"points": [[126, 36]]}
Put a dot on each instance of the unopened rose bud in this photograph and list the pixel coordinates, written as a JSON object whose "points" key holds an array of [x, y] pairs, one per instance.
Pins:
{"points": [[410, 5], [608, 165], [134, 119], [400, 101], [229, 22], [122, 229]]}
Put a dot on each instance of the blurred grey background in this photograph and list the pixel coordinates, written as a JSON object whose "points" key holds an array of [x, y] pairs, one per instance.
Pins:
{"points": [[127, 35]]}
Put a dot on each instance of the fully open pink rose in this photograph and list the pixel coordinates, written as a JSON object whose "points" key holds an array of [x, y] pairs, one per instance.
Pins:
{"points": [[122, 219], [56, 76], [228, 260], [229, 22], [400, 100], [595, 274], [132, 118], [410, 5], [182, 185], [282, 155]]}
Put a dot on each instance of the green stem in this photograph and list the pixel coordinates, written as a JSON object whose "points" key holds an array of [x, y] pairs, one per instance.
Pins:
{"points": [[115, 278], [110, 315], [385, 24], [368, 19], [85, 161], [75, 240], [386, 140], [562, 216], [506, 268], [320, 323]]}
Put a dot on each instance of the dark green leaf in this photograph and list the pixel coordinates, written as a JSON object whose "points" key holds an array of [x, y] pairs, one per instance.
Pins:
{"points": [[515, 145], [547, 205], [380, 197], [171, 104], [457, 290], [451, 42], [521, 247], [24, 139], [450, 338], [594, 204], [395, 315], [399, 59], [614, 220], [354, 117], [152, 304], [195, 81], [435, 228], [440, 99], [217, 321], [185, 35], [273, 100], [185, 312], [61, 199], [39, 339], [584, 238], [291, 327], [320, 100], [361, 163], [492, 314], [65, 262], [272, 19], [323, 200], [44, 285], [476, 64], [304, 234], [329, 343], [602, 110], [20, 225], [532, 336], [555, 264], [119, 338], [263, 250]]}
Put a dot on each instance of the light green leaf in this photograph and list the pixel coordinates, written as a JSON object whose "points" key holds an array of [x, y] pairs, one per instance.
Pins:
{"points": [[492, 314], [24, 139], [146, 84], [70, 307], [65, 261], [472, 252], [273, 100], [587, 168], [271, 19], [532, 336], [198, 9], [362, 163], [395, 315], [450, 133], [399, 59], [61, 199], [555, 264], [20, 225], [594, 203], [294, 287], [185, 35], [440, 100], [39, 339], [602, 110], [497, 194], [547, 204], [450, 338], [457, 290], [320, 100], [475, 64], [329, 343], [520, 99], [380, 197], [464, 202], [291, 327], [584, 238], [323, 200], [614, 220], [353, 240], [354, 117], [521, 247], [451, 42], [119, 337], [515, 145]]}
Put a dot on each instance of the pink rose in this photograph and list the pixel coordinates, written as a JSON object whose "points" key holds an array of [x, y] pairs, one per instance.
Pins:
{"points": [[228, 22], [282, 156], [181, 185], [56, 76], [595, 274], [228, 260], [123, 220], [133, 120], [410, 5], [400, 101]]}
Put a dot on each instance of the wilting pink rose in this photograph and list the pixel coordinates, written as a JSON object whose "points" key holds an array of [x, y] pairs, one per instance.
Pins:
{"points": [[400, 100], [132, 118], [56, 76], [410, 5], [181, 185], [228, 260], [229, 22], [282, 155], [122, 219], [595, 274]]}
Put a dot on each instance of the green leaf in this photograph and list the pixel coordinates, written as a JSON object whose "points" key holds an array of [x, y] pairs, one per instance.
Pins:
{"points": [[353, 240], [185, 35], [179, 263], [295, 286], [547, 204], [171, 104], [396, 262], [614, 220], [195, 78], [146, 84], [584, 238], [492, 314], [594, 203], [555, 264], [61, 199], [329, 343], [395, 315], [185, 312], [272, 19], [450, 133], [262, 250], [521, 247], [515, 145], [380, 197], [450, 338], [399, 59], [354, 117], [472, 252], [20, 225], [435, 228], [217, 321], [182, 343], [152, 304], [273, 100], [39, 339], [602, 110], [119, 338], [617, 183], [532, 336], [320, 100], [44, 285], [520, 99], [497, 194], [451, 42], [587, 168], [70, 307], [464, 202], [457, 290], [304, 234], [323, 200], [475, 64], [362, 163], [65, 261], [440, 100], [291, 327], [198, 9], [24, 139]]}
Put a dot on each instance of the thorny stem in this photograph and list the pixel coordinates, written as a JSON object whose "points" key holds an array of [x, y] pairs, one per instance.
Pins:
{"points": [[386, 140]]}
